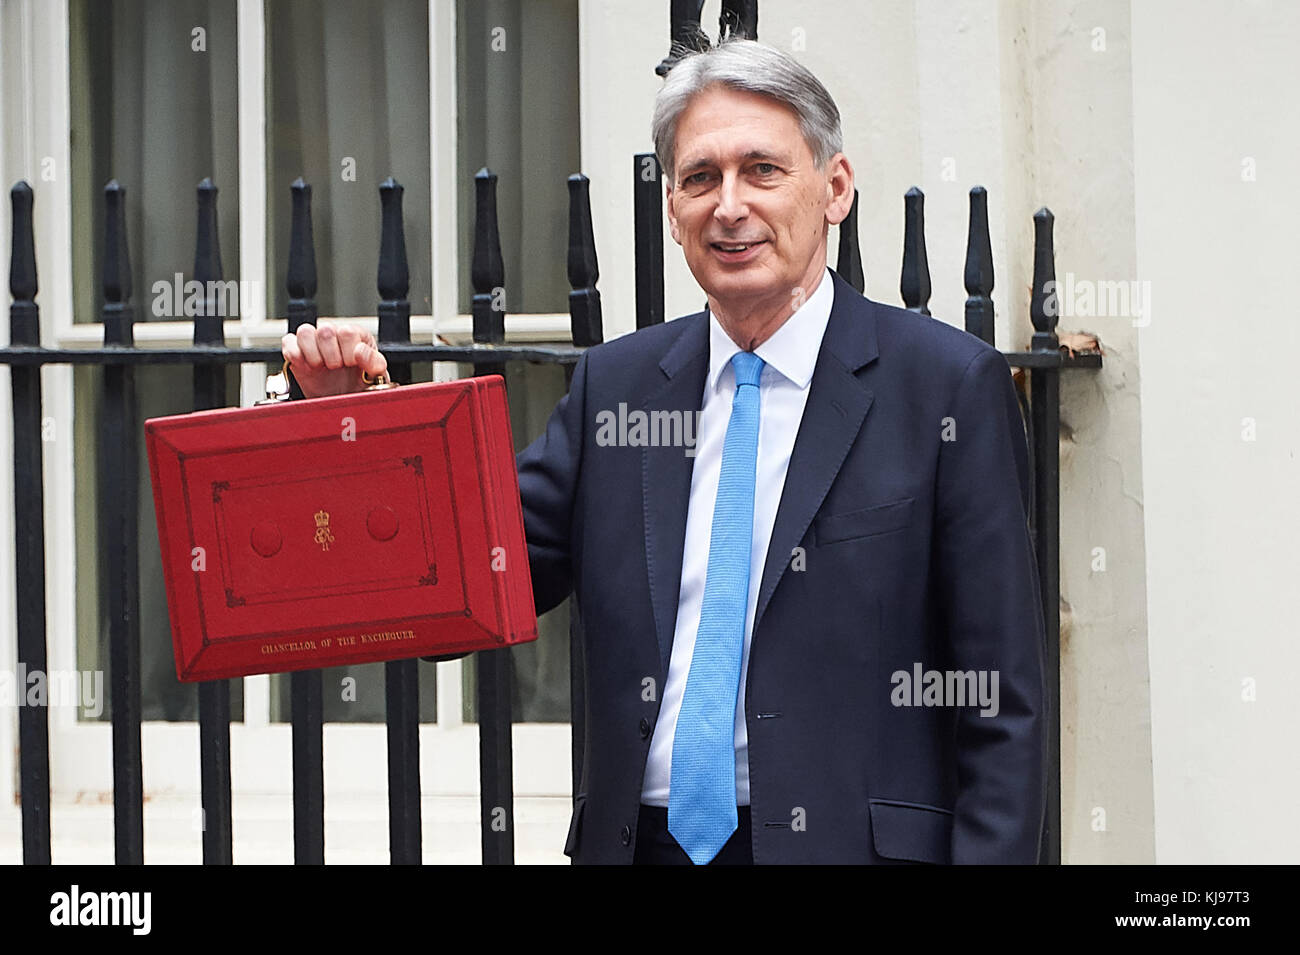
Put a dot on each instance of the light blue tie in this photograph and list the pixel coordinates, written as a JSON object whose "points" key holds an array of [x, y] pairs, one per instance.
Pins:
{"points": [[702, 786]]}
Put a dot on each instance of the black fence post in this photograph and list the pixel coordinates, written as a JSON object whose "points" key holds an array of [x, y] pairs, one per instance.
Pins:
{"points": [[588, 329], [401, 677], [915, 282], [210, 392], [979, 269], [394, 276], [585, 320], [120, 512], [305, 690], [494, 667], [849, 261], [648, 229], [29, 532], [1045, 411], [487, 269]]}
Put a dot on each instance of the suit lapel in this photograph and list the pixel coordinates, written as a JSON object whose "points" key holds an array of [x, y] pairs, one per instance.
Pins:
{"points": [[666, 475], [837, 405]]}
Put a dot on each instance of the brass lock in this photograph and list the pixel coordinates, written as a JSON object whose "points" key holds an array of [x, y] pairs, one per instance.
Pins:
{"points": [[378, 384]]}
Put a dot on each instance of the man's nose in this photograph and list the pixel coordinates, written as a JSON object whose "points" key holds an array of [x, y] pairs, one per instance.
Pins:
{"points": [[731, 207]]}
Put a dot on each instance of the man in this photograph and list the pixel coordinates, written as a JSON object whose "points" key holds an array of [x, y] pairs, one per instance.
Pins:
{"points": [[784, 624]]}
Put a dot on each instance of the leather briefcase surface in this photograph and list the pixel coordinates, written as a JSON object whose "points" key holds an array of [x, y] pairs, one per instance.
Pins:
{"points": [[373, 526]]}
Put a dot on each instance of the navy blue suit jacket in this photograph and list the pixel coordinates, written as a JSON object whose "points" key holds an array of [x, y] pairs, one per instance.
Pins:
{"points": [[901, 540]]}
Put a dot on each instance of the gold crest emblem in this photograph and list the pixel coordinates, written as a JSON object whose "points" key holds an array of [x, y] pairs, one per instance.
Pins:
{"points": [[324, 536]]}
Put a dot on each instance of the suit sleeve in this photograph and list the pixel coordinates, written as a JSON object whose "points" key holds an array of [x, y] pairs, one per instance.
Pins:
{"points": [[548, 486], [993, 616]]}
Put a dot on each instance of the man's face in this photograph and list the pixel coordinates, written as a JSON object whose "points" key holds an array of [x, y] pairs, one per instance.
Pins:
{"points": [[748, 205]]}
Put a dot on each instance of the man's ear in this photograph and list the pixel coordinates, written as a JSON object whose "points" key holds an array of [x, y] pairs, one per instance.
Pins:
{"points": [[672, 217], [839, 188]]}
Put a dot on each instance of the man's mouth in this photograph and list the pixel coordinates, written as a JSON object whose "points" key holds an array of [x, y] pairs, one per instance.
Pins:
{"points": [[737, 252]]}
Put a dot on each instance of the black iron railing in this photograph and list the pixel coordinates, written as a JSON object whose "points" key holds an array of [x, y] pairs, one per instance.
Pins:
{"points": [[119, 443]]}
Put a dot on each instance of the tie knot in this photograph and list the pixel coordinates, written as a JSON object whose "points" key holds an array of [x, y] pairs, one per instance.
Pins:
{"points": [[748, 368]]}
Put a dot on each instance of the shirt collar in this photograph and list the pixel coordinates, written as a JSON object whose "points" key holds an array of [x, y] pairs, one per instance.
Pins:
{"points": [[792, 349]]}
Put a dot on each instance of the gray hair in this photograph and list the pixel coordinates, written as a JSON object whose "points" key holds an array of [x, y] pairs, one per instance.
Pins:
{"points": [[750, 67]]}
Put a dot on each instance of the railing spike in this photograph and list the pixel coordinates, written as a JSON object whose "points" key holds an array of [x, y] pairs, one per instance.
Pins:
{"points": [[979, 268], [301, 278], [22, 256], [394, 276], [117, 268], [915, 282], [487, 269], [117, 259], [849, 262], [1044, 306], [648, 224], [207, 247], [584, 299], [207, 267]]}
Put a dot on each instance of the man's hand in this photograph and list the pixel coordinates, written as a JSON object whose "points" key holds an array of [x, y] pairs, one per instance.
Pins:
{"points": [[329, 360]]}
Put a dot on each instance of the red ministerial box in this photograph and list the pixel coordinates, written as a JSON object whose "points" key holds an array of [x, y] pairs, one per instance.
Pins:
{"points": [[373, 526]]}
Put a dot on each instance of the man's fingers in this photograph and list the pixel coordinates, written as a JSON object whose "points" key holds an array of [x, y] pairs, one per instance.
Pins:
{"points": [[307, 345], [371, 359], [349, 337], [320, 354], [289, 348], [327, 342]]}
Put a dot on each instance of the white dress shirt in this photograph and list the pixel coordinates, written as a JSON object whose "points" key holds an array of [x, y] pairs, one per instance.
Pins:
{"points": [[789, 356]]}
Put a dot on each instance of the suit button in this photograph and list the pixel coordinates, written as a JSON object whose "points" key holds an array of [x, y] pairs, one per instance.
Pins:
{"points": [[625, 836], [645, 728]]}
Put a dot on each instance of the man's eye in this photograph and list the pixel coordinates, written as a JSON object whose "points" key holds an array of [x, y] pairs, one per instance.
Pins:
{"points": [[696, 178], [764, 168]]}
